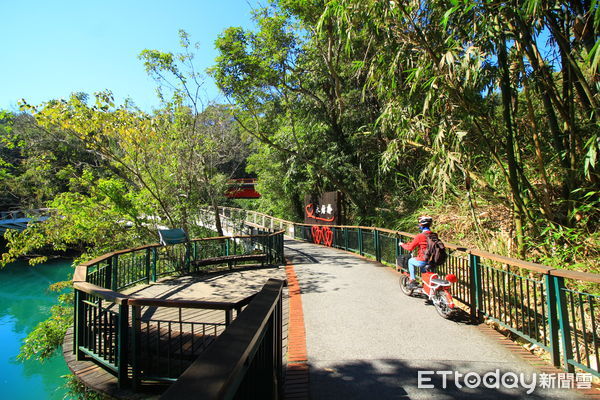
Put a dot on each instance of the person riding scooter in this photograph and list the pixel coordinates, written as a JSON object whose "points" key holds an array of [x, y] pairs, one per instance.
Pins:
{"points": [[420, 242]]}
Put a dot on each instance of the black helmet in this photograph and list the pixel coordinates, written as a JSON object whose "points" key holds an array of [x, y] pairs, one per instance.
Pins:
{"points": [[425, 220]]}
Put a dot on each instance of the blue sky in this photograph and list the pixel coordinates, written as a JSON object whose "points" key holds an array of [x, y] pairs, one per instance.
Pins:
{"points": [[50, 49]]}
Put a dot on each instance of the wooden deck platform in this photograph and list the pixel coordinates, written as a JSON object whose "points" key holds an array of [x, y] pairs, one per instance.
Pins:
{"points": [[185, 332]]}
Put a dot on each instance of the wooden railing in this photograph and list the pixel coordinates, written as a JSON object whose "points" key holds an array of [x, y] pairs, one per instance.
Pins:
{"points": [[535, 302], [109, 327], [104, 333]]}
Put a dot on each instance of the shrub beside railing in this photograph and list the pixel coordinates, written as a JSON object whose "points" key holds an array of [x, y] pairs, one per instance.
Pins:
{"points": [[533, 301]]}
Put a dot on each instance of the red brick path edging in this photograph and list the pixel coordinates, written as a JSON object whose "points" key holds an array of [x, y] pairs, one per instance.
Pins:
{"points": [[296, 380]]}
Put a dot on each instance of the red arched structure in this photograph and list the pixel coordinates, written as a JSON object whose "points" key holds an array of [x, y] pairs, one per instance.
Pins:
{"points": [[242, 189]]}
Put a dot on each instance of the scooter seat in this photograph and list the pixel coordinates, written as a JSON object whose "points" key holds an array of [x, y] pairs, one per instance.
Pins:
{"points": [[441, 282]]}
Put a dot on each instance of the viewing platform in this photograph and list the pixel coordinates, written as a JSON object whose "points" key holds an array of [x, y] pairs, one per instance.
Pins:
{"points": [[184, 333], [143, 316]]}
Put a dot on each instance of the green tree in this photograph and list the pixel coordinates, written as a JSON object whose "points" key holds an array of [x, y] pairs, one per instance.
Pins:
{"points": [[37, 164], [296, 91], [456, 98], [150, 170]]}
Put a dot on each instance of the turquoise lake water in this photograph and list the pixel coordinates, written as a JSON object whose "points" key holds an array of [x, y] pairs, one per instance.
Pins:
{"points": [[25, 301]]}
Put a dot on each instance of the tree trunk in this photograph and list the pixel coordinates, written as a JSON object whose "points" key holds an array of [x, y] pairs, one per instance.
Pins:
{"points": [[218, 225], [513, 179], [539, 158]]}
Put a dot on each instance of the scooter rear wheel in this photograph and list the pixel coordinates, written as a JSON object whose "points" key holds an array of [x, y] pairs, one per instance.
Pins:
{"points": [[440, 301], [404, 285]]}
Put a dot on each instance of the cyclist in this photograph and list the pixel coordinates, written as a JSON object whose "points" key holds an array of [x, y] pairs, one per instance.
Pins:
{"points": [[419, 242]]}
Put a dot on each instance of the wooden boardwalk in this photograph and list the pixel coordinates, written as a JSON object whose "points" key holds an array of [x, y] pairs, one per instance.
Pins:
{"points": [[182, 333]]}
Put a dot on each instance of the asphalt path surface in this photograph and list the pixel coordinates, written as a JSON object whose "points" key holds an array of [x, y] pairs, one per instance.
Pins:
{"points": [[367, 340]]}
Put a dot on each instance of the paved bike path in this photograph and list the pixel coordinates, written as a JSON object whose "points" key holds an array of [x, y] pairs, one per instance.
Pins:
{"points": [[367, 340]]}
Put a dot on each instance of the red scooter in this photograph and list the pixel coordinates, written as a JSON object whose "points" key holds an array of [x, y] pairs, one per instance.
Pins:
{"points": [[435, 289]]}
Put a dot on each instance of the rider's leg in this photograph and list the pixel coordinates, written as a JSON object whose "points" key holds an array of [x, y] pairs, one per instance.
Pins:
{"points": [[412, 264]]}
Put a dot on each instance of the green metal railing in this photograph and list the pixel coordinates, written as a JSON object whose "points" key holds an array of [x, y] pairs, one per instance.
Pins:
{"points": [[527, 299], [122, 269], [114, 329], [533, 301], [578, 327]]}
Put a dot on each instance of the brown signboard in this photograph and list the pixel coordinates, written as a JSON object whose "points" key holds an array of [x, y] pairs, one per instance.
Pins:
{"points": [[324, 209]]}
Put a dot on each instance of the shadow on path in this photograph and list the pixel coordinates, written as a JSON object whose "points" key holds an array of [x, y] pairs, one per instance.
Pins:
{"points": [[226, 285], [398, 379], [297, 257]]}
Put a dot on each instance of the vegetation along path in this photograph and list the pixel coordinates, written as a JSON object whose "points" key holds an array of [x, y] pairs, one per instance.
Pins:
{"points": [[365, 339]]}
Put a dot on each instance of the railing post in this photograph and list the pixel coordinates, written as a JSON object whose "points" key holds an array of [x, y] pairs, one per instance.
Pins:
{"points": [[360, 242], [79, 325], [475, 285], [553, 326], [115, 272], [187, 257], [377, 245], [228, 317], [225, 249], [563, 322], [270, 249], [136, 343], [108, 275], [147, 262], [154, 260], [76, 321], [281, 249], [276, 257], [397, 247], [123, 345], [345, 238]]}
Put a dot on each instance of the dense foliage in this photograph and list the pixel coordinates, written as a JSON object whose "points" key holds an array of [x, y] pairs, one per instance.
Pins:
{"points": [[115, 173], [407, 106]]}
